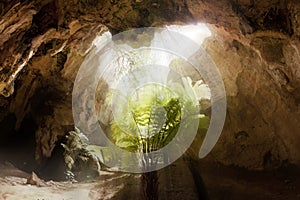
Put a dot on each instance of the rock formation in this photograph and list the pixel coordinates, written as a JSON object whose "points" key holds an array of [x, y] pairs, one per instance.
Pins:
{"points": [[255, 45]]}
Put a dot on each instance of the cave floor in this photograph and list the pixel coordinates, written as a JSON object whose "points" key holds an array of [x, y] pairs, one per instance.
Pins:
{"points": [[175, 182], [235, 183]]}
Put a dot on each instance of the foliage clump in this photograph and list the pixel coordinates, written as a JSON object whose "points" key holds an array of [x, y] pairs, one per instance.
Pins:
{"points": [[152, 117], [82, 164]]}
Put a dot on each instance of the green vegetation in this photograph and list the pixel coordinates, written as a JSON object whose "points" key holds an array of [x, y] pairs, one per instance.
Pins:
{"points": [[148, 120], [82, 163], [151, 117]]}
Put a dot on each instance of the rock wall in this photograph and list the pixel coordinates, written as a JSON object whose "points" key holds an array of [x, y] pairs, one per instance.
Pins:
{"points": [[255, 45]]}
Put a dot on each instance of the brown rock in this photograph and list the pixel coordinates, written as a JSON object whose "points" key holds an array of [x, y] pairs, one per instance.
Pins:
{"points": [[255, 45], [35, 180]]}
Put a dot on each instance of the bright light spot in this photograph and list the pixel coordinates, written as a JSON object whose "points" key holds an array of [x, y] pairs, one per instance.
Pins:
{"points": [[198, 33], [101, 40]]}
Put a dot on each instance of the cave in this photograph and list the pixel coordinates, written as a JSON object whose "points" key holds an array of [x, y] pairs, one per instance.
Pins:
{"points": [[253, 44]]}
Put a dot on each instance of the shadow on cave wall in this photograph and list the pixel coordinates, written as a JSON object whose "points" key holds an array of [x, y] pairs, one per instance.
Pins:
{"points": [[18, 148]]}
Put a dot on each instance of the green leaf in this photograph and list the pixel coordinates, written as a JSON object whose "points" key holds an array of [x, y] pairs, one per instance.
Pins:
{"points": [[156, 116], [204, 122]]}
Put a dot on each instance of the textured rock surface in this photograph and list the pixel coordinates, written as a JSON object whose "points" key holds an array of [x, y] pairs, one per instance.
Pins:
{"points": [[174, 182], [255, 44]]}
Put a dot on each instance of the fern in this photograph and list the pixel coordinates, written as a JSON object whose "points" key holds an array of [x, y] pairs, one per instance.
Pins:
{"points": [[155, 116]]}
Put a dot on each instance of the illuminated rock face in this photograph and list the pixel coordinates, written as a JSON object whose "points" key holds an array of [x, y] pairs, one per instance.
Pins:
{"points": [[255, 45]]}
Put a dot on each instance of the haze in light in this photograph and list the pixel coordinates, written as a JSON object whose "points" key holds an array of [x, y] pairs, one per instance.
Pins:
{"points": [[197, 32]]}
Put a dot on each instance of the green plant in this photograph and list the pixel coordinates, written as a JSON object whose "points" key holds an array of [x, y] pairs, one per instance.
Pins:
{"points": [[81, 162], [151, 117]]}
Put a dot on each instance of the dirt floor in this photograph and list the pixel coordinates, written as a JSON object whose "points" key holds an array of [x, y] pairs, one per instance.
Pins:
{"points": [[178, 181], [235, 183]]}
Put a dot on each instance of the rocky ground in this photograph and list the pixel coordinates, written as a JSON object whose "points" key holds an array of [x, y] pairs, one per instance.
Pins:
{"points": [[178, 181], [14, 185]]}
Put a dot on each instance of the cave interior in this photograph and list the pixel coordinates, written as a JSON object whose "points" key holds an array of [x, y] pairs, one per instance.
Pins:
{"points": [[254, 44]]}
